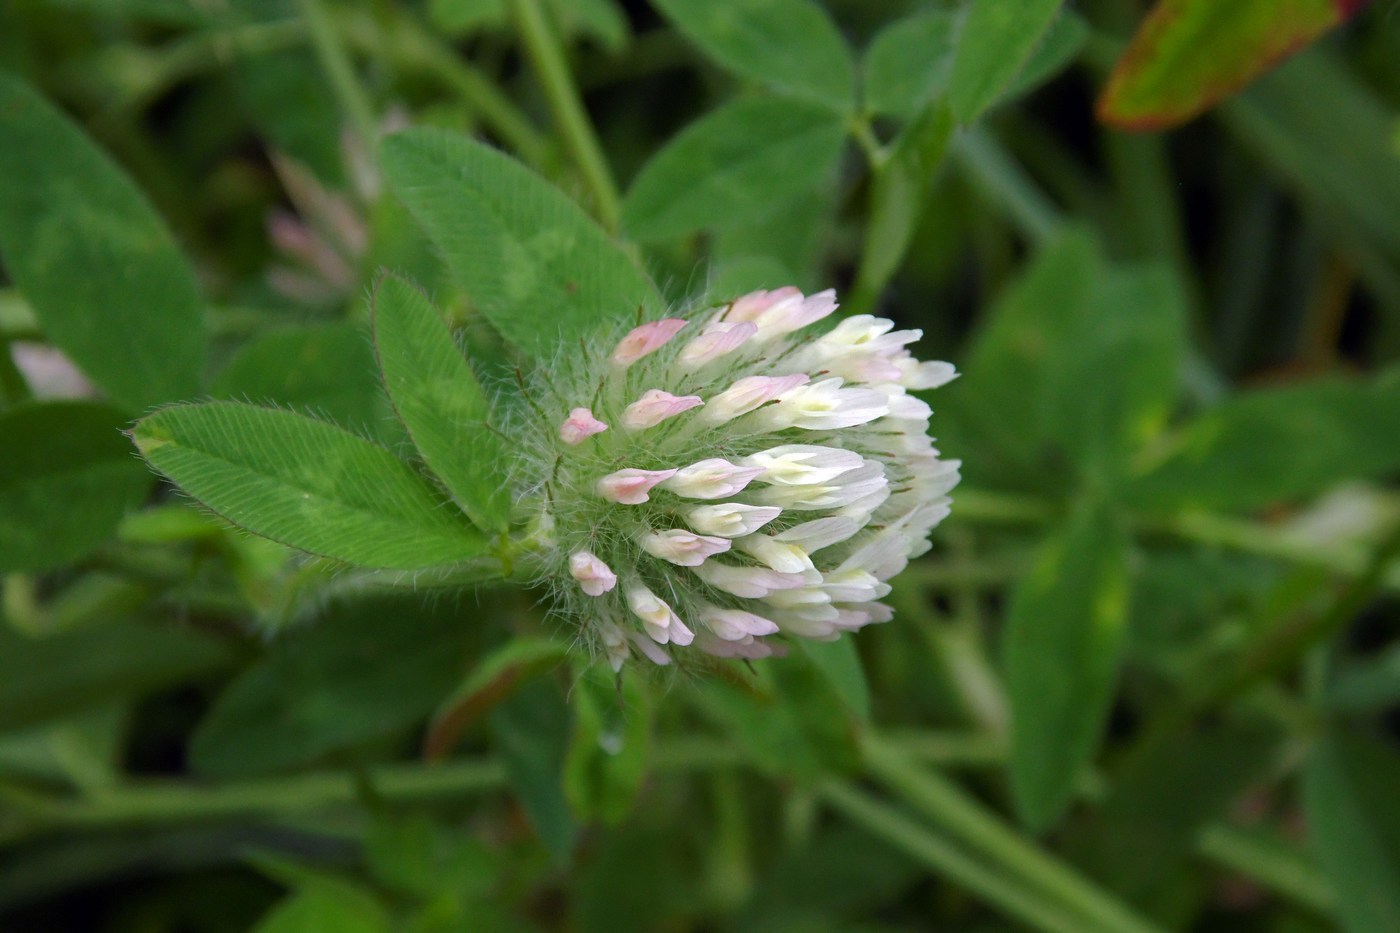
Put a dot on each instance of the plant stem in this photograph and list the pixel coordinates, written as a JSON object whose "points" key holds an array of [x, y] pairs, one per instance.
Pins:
{"points": [[996, 508], [194, 54], [162, 801], [416, 47], [1282, 869], [1280, 648], [979, 506], [956, 813], [949, 748], [168, 801], [335, 60], [946, 859], [573, 122], [875, 154]]}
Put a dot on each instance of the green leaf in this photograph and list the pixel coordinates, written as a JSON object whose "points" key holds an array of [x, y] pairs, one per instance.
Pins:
{"points": [[532, 733], [795, 237], [440, 402], [986, 411], [44, 678], [907, 63], [529, 258], [602, 20], [432, 860], [164, 12], [1277, 445], [289, 100], [1187, 54], [307, 484], [633, 879], [67, 477], [1060, 44], [1064, 634], [610, 745], [791, 45], [459, 18], [1161, 800], [97, 264], [788, 717], [365, 670], [732, 166], [83, 750], [1115, 382], [839, 662], [1349, 798], [1367, 685], [323, 369], [324, 906], [490, 683], [741, 274], [1290, 121], [996, 41], [1076, 368]]}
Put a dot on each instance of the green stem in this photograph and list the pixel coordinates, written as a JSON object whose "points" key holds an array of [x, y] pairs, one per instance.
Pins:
{"points": [[415, 47], [330, 50], [875, 154], [1254, 538], [956, 813], [1268, 862], [944, 858], [901, 174], [141, 802], [949, 748], [1281, 648], [993, 171], [164, 802], [995, 508], [982, 507], [565, 103], [195, 54]]}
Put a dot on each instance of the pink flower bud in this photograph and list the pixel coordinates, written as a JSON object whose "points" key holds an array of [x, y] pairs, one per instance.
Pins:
{"points": [[750, 306], [748, 393], [645, 339], [580, 425], [655, 406], [594, 576], [715, 341], [631, 487]]}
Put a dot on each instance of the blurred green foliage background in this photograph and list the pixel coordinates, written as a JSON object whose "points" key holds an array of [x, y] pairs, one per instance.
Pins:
{"points": [[1145, 681]]}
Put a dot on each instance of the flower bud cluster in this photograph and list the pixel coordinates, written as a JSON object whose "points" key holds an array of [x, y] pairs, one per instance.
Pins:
{"points": [[723, 482]]}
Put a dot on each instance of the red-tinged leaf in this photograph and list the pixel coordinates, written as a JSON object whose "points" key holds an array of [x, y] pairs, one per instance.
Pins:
{"points": [[1188, 54], [493, 681]]}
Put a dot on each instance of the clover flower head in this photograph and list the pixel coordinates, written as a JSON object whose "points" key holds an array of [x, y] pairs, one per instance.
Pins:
{"points": [[722, 482]]}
